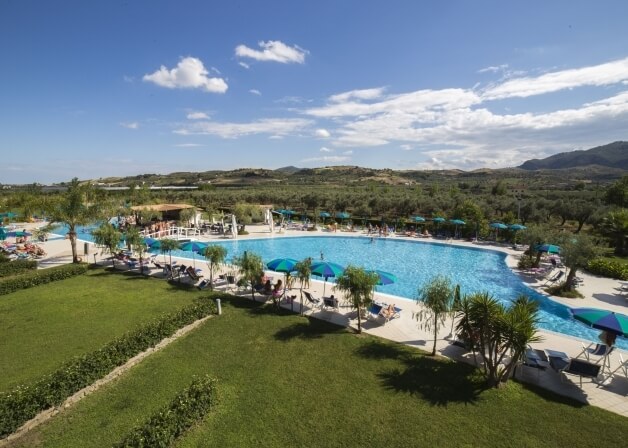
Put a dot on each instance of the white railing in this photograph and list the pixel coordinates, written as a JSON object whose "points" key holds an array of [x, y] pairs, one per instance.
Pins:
{"points": [[177, 233]]}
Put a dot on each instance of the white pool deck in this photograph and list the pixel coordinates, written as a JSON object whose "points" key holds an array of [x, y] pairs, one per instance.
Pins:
{"points": [[598, 292]]}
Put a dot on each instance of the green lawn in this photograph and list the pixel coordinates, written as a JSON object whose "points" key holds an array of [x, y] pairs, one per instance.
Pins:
{"points": [[286, 381], [42, 327]]}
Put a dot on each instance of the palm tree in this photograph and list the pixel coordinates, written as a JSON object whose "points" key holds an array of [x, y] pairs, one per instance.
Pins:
{"points": [[437, 297], [615, 226], [107, 237], [251, 268], [136, 241], [357, 284], [304, 271], [168, 245], [215, 256], [73, 210], [499, 333]]}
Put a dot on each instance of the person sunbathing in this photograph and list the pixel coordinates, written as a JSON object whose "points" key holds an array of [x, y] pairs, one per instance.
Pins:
{"points": [[389, 312]]}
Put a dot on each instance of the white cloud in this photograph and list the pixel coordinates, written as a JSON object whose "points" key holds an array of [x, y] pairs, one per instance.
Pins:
{"points": [[255, 92], [273, 50], [131, 125], [596, 75], [244, 64], [190, 73], [325, 149], [493, 68], [332, 159], [406, 147], [364, 94], [322, 133], [189, 145], [348, 152], [276, 137], [197, 116], [275, 126]]}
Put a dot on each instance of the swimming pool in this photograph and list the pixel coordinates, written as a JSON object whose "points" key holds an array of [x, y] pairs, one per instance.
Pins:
{"points": [[414, 263]]}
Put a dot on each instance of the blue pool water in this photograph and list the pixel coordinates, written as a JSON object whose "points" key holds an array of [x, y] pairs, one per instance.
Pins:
{"points": [[414, 264]]}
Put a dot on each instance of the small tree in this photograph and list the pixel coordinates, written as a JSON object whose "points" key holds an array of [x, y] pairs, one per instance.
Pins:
{"points": [[497, 331], [615, 226], [251, 268], [357, 284], [73, 209], [136, 241], [215, 256], [108, 238], [576, 252], [304, 271], [168, 245], [437, 297]]}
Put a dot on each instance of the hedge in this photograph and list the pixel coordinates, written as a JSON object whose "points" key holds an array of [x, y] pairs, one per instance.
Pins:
{"points": [[608, 268], [16, 267], [25, 402], [164, 427], [40, 277]]}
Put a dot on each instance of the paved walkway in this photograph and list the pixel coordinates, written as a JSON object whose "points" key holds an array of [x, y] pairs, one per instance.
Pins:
{"points": [[599, 293]]}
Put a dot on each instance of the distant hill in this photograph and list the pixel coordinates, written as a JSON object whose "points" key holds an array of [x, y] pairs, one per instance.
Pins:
{"points": [[288, 169], [614, 155]]}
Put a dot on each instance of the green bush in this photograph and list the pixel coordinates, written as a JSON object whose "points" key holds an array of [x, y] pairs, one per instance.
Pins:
{"points": [[526, 262], [608, 268], [40, 277], [17, 267], [164, 427], [25, 402]]}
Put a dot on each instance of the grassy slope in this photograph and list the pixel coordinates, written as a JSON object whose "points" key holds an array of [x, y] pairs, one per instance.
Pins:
{"points": [[287, 381], [42, 327]]}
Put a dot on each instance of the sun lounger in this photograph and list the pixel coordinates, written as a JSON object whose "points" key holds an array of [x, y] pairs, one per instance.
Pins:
{"points": [[536, 359], [194, 275], [601, 350], [554, 279], [313, 301], [330, 302], [583, 368]]}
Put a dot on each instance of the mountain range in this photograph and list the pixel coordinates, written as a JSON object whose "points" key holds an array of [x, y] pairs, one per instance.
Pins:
{"points": [[613, 155]]}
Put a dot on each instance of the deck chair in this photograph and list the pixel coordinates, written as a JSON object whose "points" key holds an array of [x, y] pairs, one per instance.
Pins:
{"points": [[330, 302], [193, 274], [389, 315], [554, 279], [536, 359], [582, 369], [373, 311], [313, 301], [601, 350]]}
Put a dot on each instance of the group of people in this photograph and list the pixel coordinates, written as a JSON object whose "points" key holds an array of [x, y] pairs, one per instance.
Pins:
{"points": [[266, 287]]}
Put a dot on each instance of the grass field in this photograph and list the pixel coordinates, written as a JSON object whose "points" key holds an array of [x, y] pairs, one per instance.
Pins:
{"points": [[42, 327], [286, 380]]}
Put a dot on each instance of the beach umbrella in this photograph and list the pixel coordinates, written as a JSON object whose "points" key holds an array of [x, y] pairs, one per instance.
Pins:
{"points": [[516, 227], [438, 219], [150, 241], [324, 215], [384, 278], [602, 320], [285, 265], [498, 225], [456, 223], [18, 234], [549, 248], [326, 269], [417, 219], [194, 247]]}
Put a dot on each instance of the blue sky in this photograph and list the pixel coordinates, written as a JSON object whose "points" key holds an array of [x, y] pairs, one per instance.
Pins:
{"points": [[116, 88]]}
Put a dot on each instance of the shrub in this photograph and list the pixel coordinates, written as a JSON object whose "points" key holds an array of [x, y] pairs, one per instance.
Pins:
{"points": [[25, 402], [526, 262], [17, 267], [164, 427], [608, 268], [40, 277]]}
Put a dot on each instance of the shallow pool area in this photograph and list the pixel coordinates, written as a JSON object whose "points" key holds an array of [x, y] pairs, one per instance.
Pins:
{"points": [[414, 263]]}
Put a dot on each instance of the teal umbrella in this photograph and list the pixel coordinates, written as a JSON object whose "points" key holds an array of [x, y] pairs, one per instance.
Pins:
{"points": [[194, 247], [384, 278], [324, 215], [285, 265], [498, 225], [417, 219], [549, 248], [438, 219], [326, 269], [516, 227], [602, 320]]}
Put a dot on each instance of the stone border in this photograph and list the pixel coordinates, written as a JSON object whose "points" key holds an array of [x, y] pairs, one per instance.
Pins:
{"points": [[115, 373]]}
